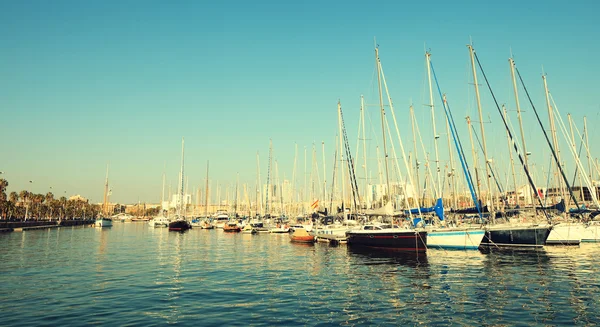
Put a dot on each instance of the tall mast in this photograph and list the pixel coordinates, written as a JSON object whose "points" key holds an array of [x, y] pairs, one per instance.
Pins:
{"points": [[362, 117], [385, 155], [577, 158], [268, 191], [379, 170], [554, 138], [475, 161], [294, 175], [452, 177], [258, 188], [105, 204], [589, 158], [435, 135], [512, 163], [304, 191], [181, 177], [206, 192], [324, 173], [235, 205], [416, 153], [341, 145], [485, 155], [162, 195], [511, 62]]}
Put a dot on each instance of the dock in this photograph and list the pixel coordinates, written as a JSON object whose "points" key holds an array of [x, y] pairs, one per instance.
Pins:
{"points": [[331, 239]]}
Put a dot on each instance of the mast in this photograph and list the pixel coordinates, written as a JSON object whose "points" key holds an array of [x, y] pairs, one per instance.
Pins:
{"points": [[435, 136], [206, 192], [511, 62], [362, 117], [258, 188], [477, 180], [451, 156], [554, 138], [162, 196], [485, 155], [574, 149], [105, 203], [181, 205], [589, 158], [341, 145], [512, 163], [236, 196], [294, 175], [324, 173], [418, 188], [385, 154], [268, 191]]}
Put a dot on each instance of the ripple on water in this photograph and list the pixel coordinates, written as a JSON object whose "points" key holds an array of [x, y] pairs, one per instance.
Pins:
{"points": [[133, 275]]}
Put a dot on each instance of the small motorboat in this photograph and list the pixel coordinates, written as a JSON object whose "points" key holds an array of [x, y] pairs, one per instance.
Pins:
{"points": [[249, 229], [300, 235], [179, 226], [232, 227]]}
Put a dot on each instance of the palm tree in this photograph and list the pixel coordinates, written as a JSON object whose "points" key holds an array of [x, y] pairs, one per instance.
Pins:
{"points": [[49, 197], [3, 204], [13, 197]]}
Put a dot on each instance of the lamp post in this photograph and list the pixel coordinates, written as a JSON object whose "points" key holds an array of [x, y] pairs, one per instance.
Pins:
{"points": [[27, 204]]}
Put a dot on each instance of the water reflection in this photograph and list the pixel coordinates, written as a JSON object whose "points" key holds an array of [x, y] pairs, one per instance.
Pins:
{"points": [[144, 276], [368, 256]]}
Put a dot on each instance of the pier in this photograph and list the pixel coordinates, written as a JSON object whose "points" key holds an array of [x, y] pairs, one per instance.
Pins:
{"points": [[19, 226], [331, 239]]}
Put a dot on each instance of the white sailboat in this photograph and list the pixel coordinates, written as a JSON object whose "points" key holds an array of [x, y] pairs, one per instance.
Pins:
{"points": [[103, 220], [160, 220]]}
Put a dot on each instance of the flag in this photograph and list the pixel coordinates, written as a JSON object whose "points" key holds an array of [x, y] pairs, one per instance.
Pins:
{"points": [[315, 204]]}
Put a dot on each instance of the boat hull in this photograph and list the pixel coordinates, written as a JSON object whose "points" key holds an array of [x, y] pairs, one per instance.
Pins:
{"points": [[566, 234], [511, 236], [391, 240], [179, 226], [455, 239], [591, 233], [103, 222], [302, 239]]}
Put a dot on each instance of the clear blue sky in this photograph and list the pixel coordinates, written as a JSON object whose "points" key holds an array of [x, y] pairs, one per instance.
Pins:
{"points": [[84, 83]]}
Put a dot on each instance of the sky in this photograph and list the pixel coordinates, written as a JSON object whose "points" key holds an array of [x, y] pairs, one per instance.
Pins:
{"points": [[90, 83]]}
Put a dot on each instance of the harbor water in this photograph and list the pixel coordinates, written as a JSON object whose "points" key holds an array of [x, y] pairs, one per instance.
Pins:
{"points": [[132, 274]]}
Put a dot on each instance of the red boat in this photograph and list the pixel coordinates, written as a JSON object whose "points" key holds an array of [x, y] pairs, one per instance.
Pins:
{"points": [[300, 235], [232, 227]]}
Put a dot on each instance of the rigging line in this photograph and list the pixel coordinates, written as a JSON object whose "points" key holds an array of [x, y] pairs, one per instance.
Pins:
{"points": [[586, 147], [509, 132], [426, 155], [545, 135], [548, 179], [572, 148], [488, 163], [458, 145], [353, 183]]}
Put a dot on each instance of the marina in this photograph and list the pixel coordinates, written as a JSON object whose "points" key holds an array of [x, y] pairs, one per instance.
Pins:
{"points": [[299, 164]]}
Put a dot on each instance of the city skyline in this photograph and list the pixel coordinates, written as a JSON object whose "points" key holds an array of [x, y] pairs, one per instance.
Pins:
{"points": [[88, 84]]}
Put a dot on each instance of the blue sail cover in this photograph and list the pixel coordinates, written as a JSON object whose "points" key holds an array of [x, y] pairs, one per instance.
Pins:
{"points": [[438, 209]]}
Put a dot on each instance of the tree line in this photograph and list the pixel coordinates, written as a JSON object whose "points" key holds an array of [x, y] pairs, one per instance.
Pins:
{"points": [[29, 205]]}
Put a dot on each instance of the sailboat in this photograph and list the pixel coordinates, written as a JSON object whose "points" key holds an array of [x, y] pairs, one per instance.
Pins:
{"points": [[103, 220], [160, 220], [511, 235], [448, 235], [180, 224], [387, 236]]}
